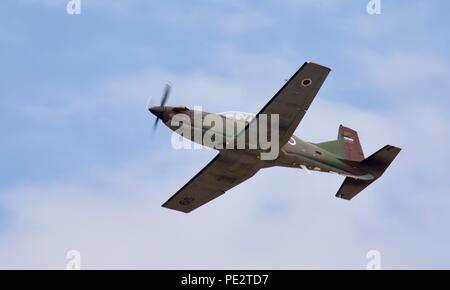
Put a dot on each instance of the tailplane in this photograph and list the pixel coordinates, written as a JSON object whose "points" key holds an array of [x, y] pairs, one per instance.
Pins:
{"points": [[376, 165]]}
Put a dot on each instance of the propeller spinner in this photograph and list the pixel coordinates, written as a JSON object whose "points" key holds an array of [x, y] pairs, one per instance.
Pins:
{"points": [[158, 111]]}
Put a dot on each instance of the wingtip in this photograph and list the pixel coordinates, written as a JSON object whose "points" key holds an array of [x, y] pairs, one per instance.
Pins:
{"points": [[174, 209], [317, 64]]}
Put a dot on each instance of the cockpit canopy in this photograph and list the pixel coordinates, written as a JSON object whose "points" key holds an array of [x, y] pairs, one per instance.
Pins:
{"points": [[180, 109]]}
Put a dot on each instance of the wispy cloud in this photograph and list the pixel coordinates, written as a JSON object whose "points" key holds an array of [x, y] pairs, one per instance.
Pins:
{"points": [[126, 199], [118, 222], [98, 176]]}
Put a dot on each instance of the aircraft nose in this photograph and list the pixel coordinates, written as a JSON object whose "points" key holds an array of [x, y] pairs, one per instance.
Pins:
{"points": [[157, 111]]}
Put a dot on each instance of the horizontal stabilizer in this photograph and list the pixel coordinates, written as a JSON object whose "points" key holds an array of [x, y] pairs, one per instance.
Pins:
{"points": [[376, 165], [351, 187], [378, 162]]}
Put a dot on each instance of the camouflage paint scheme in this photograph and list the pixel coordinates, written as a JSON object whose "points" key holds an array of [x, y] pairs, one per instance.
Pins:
{"points": [[230, 167]]}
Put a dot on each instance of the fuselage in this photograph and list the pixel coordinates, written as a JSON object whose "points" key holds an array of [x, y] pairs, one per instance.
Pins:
{"points": [[296, 153]]}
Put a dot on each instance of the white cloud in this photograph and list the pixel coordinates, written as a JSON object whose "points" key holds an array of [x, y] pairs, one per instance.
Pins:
{"points": [[280, 219], [404, 76]]}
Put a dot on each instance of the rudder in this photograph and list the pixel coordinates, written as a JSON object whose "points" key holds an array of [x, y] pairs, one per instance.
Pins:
{"points": [[347, 145]]}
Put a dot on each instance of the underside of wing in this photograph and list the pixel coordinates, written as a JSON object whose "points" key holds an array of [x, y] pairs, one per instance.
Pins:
{"points": [[294, 98], [223, 173]]}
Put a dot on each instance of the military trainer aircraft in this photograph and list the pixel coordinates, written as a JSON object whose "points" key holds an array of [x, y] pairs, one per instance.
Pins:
{"points": [[229, 168]]}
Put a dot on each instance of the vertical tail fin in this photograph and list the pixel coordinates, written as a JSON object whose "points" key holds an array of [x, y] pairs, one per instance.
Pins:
{"points": [[376, 165], [347, 145]]}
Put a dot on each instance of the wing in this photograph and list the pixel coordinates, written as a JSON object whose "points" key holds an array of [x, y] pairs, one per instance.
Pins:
{"points": [[223, 173], [294, 98]]}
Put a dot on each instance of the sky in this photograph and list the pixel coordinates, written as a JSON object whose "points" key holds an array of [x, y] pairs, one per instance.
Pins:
{"points": [[81, 169]]}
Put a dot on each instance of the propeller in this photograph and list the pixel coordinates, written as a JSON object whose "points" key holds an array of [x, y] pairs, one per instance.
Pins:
{"points": [[155, 125], [165, 95], [157, 109]]}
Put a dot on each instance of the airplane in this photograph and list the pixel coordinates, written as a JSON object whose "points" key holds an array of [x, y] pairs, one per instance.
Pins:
{"points": [[229, 168]]}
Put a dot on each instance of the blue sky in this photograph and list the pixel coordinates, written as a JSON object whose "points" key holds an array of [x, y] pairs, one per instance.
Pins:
{"points": [[82, 170]]}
